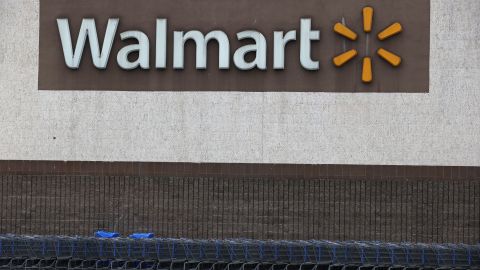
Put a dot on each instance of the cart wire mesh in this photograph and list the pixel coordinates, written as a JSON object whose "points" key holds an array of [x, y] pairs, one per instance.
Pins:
{"points": [[243, 250]]}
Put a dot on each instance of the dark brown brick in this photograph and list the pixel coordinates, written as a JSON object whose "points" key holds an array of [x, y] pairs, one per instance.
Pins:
{"points": [[195, 207]]}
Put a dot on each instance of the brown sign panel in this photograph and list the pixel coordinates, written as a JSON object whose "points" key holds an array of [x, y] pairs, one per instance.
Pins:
{"points": [[232, 17]]}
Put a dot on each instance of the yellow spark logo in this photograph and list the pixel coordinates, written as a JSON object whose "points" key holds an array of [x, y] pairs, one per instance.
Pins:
{"points": [[390, 31]]}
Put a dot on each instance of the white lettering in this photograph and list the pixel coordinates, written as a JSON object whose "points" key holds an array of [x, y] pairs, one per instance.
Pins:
{"points": [[257, 47], [260, 49], [143, 49], [279, 43], [88, 29], [306, 37], [161, 44], [201, 42]]}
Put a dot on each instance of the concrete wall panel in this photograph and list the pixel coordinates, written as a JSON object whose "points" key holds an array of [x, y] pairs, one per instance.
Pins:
{"points": [[438, 128]]}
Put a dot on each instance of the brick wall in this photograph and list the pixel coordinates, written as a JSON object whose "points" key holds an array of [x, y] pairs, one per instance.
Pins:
{"points": [[347, 208]]}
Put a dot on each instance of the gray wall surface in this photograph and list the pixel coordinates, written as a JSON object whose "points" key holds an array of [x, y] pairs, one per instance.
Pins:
{"points": [[438, 128]]}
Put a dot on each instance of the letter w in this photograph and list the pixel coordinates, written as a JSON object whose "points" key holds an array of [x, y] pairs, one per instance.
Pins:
{"points": [[88, 29]]}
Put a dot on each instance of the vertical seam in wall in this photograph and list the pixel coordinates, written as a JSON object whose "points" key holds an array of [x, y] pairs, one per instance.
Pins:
{"points": [[263, 127]]}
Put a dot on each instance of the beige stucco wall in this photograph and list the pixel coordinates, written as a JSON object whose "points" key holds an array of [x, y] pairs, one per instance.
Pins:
{"points": [[439, 128]]}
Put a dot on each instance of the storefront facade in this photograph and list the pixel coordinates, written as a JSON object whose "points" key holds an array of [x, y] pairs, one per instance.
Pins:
{"points": [[219, 153]]}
